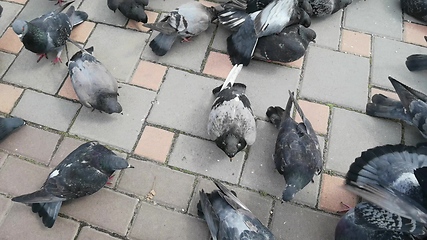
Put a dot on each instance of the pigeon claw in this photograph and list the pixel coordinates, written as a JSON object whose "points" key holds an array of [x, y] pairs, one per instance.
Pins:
{"points": [[109, 181], [41, 55], [186, 39], [346, 208], [57, 60]]}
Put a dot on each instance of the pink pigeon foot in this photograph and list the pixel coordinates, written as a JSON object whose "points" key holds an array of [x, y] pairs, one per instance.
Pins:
{"points": [[109, 181], [57, 60], [346, 208], [60, 2], [41, 55], [186, 39]]}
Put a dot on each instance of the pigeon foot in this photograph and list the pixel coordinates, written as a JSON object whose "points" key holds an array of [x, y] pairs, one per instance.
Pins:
{"points": [[346, 208], [57, 60], [109, 181], [41, 55], [186, 39]]}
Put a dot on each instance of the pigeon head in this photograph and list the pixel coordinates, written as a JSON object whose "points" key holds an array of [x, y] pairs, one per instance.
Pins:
{"points": [[307, 33], [79, 54], [294, 183], [230, 143], [14, 123], [20, 27], [342, 4], [305, 19], [107, 102], [111, 163]]}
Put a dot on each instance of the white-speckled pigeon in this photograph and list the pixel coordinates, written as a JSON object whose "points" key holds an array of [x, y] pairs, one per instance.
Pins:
{"points": [[228, 218], [93, 83], [83, 172], [9, 125], [231, 120], [415, 8], [132, 9], [49, 32], [327, 7], [186, 21], [297, 154], [412, 107]]}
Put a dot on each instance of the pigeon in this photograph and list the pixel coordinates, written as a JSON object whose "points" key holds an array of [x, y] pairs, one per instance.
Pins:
{"points": [[241, 44], [393, 177], [93, 83], [415, 8], [416, 62], [186, 21], [327, 7], [297, 154], [9, 125], [59, 2], [132, 9], [287, 46], [50, 31], [231, 120], [83, 172], [411, 109], [360, 222], [1, 10], [228, 218]]}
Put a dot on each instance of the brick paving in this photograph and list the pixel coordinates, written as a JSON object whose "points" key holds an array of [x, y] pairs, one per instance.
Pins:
{"points": [[162, 132]]}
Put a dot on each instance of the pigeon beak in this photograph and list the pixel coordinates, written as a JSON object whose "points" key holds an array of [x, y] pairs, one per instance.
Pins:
{"points": [[130, 166], [231, 159]]}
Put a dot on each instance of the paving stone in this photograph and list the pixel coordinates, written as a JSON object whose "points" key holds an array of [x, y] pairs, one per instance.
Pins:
{"points": [[19, 1], [152, 221], [205, 158], [409, 18], [193, 52], [317, 114], [389, 94], [132, 24], [36, 8], [365, 132], [10, 42], [149, 75], [5, 203], [66, 147], [411, 135], [22, 223], [106, 209], [10, 10], [165, 182], [260, 206], [3, 157], [18, 177], [333, 195], [67, 90], [98, 11], [389, 60], [356, 43], [166, 5], [46, 110], [6, 61], [8, 96], [88, 233], [125, 58], [385, 17], [220, 39], [218, 65], [82, 31], [26, 142], [154, 144], [294, 222], [318, 81], [327, 30], [123, 130], [191, 109], [414, 33]]}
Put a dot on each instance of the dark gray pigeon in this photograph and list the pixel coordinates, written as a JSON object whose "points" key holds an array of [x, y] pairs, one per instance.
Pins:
{"points": [[287, 46], [83, 172], [50, 31], [132, 9], [9, 125], [417, 62], [231, 120], [186, 21], [297, 154], [412, 107], [1, 10], [228, 218], [415, 8], [327, 7], [93, 83]]}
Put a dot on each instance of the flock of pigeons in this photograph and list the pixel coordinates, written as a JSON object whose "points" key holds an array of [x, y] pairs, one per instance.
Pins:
{"points": [[393, 178]]}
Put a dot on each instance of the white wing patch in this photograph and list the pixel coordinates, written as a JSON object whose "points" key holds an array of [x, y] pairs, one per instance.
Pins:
{"points": [[54, 174]]}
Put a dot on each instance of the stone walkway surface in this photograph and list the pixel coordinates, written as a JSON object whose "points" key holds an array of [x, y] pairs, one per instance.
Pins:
{"points": [[162, 132]]}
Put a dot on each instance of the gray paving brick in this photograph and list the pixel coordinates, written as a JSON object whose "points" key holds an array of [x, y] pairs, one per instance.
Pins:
{"points": [[294, 222], [5, 203], [10, 10], [331, 85], [352, 133], [385, 17], [166, 5], [36, 8], [6, 60], [22, 223], [98, 11], [106, 209], [115, 129], [259, 205], [46, 110], [327, 30], [3, 157], [220, 39], [411, 135], [165, 182], [88, 233], [188, 55], [158, 223], [389, 58], [66, 147], [205, 158], [188, 98], [126, 57]]}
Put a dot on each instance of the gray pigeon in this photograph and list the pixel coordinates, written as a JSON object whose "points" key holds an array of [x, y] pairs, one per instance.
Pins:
{"points": [[132, 9], [228, 218], [1, 10], [415, 8], [83, 172], [9, 125], [49, 32], [186, 21], [417, 62], [231, 120], [93, 83], [327, 7], [412, 107], [297, 155]]}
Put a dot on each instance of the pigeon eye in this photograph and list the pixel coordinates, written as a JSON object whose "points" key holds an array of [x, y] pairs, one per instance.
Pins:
{"points": [[239, 145]]}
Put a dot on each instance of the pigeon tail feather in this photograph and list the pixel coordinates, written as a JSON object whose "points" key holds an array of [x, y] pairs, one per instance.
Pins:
{"points": [[416, 62], [385, 111], [47, 211], [275, 115], [40, 196], [232, 76], [162, 43], [209, 215], [76, 17]]}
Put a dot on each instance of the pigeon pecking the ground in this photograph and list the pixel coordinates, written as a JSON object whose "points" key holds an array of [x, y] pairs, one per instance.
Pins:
{"points": [[228, 218], [231, 120], [412, 107], [415, 8], [417, 62], [93, 83], [297, 154], [9, 125], [394, 178], [327, 7], [132, 9], [286, 46], [83, 172], [49, 32], [186, 21]]}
